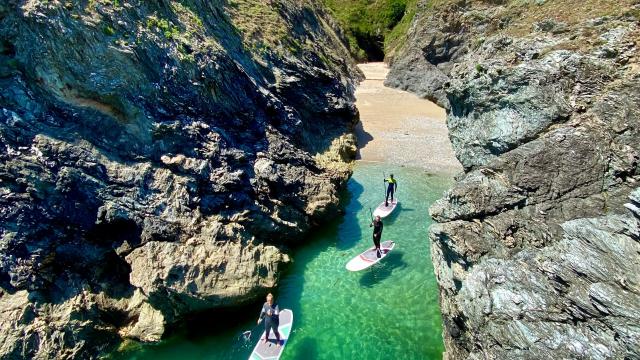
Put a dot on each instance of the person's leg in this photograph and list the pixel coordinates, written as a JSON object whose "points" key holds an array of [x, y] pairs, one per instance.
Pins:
{"points": [[276, 333], [267, 330], [386, 199], [391, 192], [376, 243]]}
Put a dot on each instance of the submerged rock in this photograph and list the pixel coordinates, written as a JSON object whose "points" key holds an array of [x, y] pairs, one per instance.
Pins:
{"points": [[534, 252], [157, 159]]}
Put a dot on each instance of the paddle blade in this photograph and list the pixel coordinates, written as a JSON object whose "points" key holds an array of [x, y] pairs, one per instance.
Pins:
{"points": [[246, 335]]}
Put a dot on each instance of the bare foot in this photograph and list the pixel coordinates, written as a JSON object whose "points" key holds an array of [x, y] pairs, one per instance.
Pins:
{"points": [[264, 340], [278, 344]]}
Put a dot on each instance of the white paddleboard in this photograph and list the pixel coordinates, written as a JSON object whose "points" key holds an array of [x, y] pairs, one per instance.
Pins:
{"points": [[384, 211], [370, 257], [269, 350]]}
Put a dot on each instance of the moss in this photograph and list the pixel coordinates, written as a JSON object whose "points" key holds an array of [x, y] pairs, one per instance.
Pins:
{"points": [[188, 16], [108, 30], [168, 29]]}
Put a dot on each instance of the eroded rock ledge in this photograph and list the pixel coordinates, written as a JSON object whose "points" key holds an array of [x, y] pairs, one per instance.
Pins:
{"points": [[158, 158], [536, 246]]}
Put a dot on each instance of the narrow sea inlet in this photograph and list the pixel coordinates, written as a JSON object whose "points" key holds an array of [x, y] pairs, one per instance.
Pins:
{"points": [[389, 311]]}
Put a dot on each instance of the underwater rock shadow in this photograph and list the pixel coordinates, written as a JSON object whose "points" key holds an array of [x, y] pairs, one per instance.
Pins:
{"points": [[381, 271], [347, 234]]}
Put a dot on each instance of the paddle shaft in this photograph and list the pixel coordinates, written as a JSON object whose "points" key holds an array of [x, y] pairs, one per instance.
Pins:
{"points": [[384, 184], [251, 331]]}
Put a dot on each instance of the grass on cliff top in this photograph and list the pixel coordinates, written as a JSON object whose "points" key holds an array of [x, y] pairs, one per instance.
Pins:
{"points": [[570, 12], [525, 13], [259, 22], [372, 26]]}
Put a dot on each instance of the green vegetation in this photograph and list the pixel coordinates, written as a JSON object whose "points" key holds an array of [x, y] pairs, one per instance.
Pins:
{"points": [[397, 36], [108, 30], [373, 27], [168, 29], [259, 23]]}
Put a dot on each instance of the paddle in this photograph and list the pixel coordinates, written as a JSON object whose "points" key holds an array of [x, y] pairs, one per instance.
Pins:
{"points": [[246, 335], [384, 187], [370, 214]]}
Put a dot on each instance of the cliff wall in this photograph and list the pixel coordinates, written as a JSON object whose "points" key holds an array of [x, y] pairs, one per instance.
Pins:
{"points": [[536, 246], [159, 158]]}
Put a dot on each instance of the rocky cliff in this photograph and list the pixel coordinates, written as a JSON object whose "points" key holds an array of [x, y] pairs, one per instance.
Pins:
{"points": [[537, 245], [158, 158]]}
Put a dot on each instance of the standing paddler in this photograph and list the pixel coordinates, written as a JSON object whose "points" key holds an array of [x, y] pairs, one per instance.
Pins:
{"points": [[377, 233], [271, 315], [391, 189]]}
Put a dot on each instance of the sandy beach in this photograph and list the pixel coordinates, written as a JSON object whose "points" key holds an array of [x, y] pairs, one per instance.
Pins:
{"points": [[399, 128]]}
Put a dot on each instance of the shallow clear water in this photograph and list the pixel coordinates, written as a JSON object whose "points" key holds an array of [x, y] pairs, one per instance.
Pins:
{"points": [[389, 311]]}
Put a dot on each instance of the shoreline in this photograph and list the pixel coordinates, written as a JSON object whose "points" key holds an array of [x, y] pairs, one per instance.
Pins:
{"points": [[399, 128]]}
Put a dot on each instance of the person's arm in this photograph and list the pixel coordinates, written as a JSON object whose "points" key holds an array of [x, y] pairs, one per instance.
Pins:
{"points": [[395, 186], [276, 310], [381, 226], [261, 315]]}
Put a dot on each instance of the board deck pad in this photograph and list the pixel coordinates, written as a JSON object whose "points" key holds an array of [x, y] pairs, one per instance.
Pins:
{"points": [[269, 350], [384, 211], [370, 257]]}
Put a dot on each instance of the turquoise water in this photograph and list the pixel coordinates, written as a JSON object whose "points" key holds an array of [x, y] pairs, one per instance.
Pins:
{"points": [[389, 311]]}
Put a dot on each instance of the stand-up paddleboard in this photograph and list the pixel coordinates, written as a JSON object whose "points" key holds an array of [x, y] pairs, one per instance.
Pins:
{"points": [[384, 211], [370, 256], [269, 350]]}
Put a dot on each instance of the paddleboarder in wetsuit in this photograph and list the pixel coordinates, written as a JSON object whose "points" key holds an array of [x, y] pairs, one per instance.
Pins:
{"points": [[271, 315], [377, 233], [391, 189]]}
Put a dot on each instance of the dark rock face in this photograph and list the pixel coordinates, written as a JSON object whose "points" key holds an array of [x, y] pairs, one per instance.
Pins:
{"points": [[157, 158], [534, 251]]}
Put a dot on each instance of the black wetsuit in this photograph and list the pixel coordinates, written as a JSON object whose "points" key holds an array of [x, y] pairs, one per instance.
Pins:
{"points": [[377, 233], [271, 322]]}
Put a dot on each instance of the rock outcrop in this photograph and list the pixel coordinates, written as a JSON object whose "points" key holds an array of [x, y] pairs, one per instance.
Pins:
{"points": [[158, 158], [535, 250]]}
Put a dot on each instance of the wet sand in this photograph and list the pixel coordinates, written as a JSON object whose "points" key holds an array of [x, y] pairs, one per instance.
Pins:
{"points": [[399, 128]]}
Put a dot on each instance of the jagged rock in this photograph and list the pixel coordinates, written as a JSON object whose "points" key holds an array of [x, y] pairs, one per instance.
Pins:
{"points": [[533, 252], [157, 159], [149, 327]]}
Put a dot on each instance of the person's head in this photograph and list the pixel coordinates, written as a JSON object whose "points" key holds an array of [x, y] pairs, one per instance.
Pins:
{"points": [[391, 175], [377, 217], [269, 298]]}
